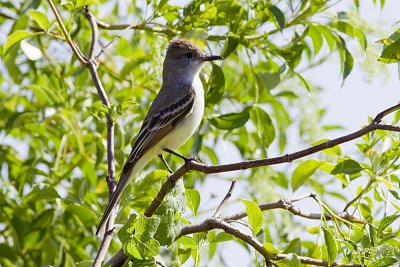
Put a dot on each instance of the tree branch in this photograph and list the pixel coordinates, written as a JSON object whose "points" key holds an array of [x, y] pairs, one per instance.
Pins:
{"points": [[195, 166], [71, 43]]}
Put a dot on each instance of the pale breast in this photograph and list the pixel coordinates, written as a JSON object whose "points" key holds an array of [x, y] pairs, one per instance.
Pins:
{"points": [[186, 128]]}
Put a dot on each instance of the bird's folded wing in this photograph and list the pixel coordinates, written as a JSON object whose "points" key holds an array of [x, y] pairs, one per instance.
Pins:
{"points": [[162, 122]]}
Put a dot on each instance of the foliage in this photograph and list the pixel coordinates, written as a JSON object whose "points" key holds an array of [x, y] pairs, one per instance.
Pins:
{"points": [[53, 133]]}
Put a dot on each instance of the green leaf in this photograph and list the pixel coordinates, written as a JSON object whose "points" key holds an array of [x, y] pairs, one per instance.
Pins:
{"points": [[270, 248], [221, 237], [79, 188], [328, 35], [151, 179], [395, 194], [268, 80], [82, 213], [231, 121], [347, 167], [391, 53], [193, 200], [143, 263], [174, 200], [264, 125], [385, 222], [291, 260], [278, 15], [40, 18], [137, 237], [230, 45], [344, 27], [303, 80], [82, 3], [41, 191], [313, 230], [69, 5], [314, 251], [304, 171], [346, 59], [168, 229], [362, 39], [254, 214], [372, 234], [331, 245], [15, 38], [8, 252], [316, 38], [347, 64], [184, 254], [294, 246], [217, 86]]}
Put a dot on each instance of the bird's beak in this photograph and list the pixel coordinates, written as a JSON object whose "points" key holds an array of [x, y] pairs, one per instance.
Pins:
{"points": [[211, 57]]}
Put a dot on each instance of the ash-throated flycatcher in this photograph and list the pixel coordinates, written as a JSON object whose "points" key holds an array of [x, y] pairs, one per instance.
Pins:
{"points": [[173, 117]]}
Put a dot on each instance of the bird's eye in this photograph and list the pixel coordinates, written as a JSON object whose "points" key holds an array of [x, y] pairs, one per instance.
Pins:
{"points": [[189, 55]]}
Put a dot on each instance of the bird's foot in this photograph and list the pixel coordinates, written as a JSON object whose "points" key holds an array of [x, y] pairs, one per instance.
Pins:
{"points": [[186, 159], [196, 159]]}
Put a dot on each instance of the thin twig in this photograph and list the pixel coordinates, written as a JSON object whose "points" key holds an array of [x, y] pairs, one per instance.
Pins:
{"points": [[71, 43], [304, 196], [225, 200], [95, 33], [365, 189]]}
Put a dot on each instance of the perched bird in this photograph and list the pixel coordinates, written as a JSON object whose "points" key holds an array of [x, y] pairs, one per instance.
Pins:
{"points": [[173, 117]]}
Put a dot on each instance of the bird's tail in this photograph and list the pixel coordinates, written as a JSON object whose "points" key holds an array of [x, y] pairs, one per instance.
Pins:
{"points": [[113, 203]]}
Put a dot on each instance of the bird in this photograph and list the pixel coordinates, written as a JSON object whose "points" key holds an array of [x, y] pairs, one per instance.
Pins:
{"points": [[173, 117]]}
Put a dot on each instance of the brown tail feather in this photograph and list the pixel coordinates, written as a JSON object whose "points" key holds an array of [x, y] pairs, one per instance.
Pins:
{"points": [[112, 204]]}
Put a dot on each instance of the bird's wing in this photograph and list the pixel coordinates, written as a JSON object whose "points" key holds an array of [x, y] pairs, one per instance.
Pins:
{"points": [[159, 123]]}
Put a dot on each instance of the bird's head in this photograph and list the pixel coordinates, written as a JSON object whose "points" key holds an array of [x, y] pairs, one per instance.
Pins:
{"points": [[185, 58]]}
